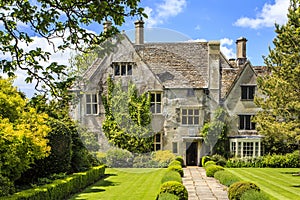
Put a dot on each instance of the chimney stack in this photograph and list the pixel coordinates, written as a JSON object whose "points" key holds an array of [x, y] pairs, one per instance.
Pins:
{"points": [[106, 26], [139, 32], [241, 56]]}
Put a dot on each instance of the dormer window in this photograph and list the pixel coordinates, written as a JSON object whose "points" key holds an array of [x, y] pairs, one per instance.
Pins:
{"points": [[91, 104], [122, 69], [248, 92]]}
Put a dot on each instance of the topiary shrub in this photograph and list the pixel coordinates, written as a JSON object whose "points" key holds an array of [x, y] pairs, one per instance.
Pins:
{"points": [[212, 169], [220, 160], [175, 162], [171, 175], [254, 194], [119, 158], [204, 160], [176, 168], [175, 188], [180, 159], [236, 190], [163, 157], [167, 196], [208, 163], [226, 178]]}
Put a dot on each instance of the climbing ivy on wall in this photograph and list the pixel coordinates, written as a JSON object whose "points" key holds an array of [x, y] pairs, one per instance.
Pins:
{"points": [[127, 117]]}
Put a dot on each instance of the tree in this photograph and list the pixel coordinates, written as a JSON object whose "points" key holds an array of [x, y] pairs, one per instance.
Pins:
{"points": [[50, 19], [127, 118], [280, 90], [23, 133]]}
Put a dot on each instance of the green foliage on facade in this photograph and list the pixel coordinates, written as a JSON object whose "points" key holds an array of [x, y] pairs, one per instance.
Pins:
{"points": [[280, 102], [127, 118]]}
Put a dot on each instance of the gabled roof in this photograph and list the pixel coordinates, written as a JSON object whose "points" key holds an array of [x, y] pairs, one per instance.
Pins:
{"points": [[177, 65]]}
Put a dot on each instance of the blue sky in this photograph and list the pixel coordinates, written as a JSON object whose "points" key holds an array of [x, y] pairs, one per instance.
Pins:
{"points": [[199, 20]]}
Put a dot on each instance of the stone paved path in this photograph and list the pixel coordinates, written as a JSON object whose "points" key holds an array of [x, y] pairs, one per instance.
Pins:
{"points": [[201, 187]]}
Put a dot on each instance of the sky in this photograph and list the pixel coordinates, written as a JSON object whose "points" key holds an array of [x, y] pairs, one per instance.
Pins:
{"points": [[199, 20]]}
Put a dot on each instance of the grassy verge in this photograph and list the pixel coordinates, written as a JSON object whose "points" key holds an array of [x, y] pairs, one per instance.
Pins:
{"points": [[278, 183], [125, 184]]}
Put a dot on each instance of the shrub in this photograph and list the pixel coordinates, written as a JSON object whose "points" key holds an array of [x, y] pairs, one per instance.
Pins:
{"points": [[212, 169], [6, 186], [144, 161], [101, 157], [167, 196], [236, 190], [208, 163], [220, 160], [180, 159], [175, 162], [204, 160], [163, 157], [171, 175], [176, 168], [119, 158], [225, 177], [175, 188], [254, 194]]}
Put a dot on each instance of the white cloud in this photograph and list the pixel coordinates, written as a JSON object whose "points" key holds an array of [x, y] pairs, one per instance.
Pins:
{"points": [[163, 11], [269, 15], [225, 48]]}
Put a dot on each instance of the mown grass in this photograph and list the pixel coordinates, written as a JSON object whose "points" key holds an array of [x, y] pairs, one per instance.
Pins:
{"points": [[278, 183], [125, 184]]}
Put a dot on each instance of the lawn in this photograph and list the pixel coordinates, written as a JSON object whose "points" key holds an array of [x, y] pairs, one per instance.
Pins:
{"points": [[125, 184], [278, 183]]}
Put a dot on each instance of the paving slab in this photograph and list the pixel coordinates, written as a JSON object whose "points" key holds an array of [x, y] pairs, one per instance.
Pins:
{"points": [[201, 187]]}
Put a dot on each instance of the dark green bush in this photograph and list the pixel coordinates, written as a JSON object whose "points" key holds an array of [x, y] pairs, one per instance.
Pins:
{"points": [[220, 160], [212, 169], [204, 160], [208, 163], [167, 196], [119, 158], [175, 162], [62, 188], [176, 168], [171, 175], [6, 186], [226, 178], [254, 194], [180, 159], [175, 188], [236, 190]]}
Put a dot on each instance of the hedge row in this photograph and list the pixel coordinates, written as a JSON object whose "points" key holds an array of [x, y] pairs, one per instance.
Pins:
{"points": [[62, 188], [172, 187]]}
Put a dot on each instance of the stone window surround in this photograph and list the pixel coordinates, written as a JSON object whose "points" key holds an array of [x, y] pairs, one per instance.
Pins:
{"points": [[122, 68], [92, 106], [247, 94], [187, 115], [238, 146]]}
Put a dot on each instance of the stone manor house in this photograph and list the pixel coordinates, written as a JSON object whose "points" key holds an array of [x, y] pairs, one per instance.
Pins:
{"points": [[187, 81]]}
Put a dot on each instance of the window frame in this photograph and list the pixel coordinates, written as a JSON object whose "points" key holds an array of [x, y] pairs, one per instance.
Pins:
{"points": [[157, 143], [91, 104], [243, 147], [122, 69], [187, 116], [247, 92], [155, 105], [245, 122]]}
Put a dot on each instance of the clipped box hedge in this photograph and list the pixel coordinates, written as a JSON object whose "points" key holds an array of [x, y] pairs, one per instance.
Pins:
{"points": [[62, 188]]}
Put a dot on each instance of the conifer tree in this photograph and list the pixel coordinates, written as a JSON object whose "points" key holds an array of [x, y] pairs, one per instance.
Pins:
{"points": [[280, 89]]}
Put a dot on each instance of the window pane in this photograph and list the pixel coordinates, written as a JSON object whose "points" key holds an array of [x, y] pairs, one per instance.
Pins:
{"points": [[190, 112], [248, 117], [196, 112], [88, 109], [175, 148], [94, 98], [129, 69], [241, 122], [184, 120], [251, 92], [158, 108], [88, 98], [157, 138], [244, 92], [184, 112], [152, 97], [157, 147], [196, 120], [190, 120], [123, 70], [117, 70], [152, 107], [95, 109], [158, 97]]}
